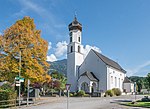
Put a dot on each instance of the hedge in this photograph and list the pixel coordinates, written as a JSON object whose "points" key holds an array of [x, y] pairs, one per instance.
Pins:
{"points": [[7, 96], [116, 91], [109, 92]]}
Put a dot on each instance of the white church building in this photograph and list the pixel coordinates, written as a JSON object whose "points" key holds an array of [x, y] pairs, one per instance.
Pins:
{"points": [[93, 73]]}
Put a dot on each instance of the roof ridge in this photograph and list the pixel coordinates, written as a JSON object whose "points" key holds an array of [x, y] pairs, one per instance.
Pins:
{"points": [[104, 56], [109, 61]]}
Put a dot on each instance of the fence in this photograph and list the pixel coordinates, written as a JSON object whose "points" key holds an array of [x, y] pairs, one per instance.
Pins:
{"points": [[15, 102]]}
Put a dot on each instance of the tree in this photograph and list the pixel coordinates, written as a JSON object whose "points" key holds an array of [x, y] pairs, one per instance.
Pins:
{"points": [[60, 78], [139, 82], [148, 81], [19, 38]]}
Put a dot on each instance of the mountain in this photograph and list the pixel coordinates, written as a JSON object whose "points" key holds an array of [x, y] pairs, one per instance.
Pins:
{"points": [[60, 66]]}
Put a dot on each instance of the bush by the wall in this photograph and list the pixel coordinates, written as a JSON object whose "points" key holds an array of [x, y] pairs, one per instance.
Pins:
{"points": [[7, 92], [145, 99], [109, 92], [116, 91], [7, 86], [71, 94], [81, 93]]}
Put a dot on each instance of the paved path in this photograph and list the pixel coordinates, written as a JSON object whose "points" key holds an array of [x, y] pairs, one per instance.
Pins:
{"points": [[84, 103]]}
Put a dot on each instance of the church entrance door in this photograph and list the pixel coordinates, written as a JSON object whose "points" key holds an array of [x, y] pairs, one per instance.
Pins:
{"points": [[84, 86]]}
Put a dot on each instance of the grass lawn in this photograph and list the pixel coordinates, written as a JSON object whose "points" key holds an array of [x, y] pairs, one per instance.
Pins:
{"points": [[139, 104]]}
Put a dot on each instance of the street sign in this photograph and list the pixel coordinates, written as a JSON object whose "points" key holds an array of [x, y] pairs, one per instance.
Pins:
{"points": [[19, 79], [17, 84], [16, 78], [68, 86]]}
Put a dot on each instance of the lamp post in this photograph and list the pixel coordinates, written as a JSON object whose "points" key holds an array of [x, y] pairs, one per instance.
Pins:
{"points": [[135, 90]]}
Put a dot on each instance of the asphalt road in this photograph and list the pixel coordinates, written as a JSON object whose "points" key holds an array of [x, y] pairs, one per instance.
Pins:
{"points": [[84, 103]]}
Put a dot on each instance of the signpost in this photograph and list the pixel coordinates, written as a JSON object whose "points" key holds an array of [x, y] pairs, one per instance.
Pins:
{"points": [[68, 88], [28, 92], [18, 81]]}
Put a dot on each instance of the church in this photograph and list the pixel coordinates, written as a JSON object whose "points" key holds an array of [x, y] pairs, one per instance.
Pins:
{"points": [[93, 73]]}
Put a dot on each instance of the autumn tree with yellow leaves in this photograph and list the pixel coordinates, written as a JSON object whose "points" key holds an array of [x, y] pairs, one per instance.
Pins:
{"points": [[19, 38]]}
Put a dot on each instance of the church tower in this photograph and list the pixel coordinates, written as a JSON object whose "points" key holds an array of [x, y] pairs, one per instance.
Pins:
{"points": [[74, 54]]}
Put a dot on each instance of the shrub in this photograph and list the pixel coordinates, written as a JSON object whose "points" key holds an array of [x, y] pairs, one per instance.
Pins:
{"points": [[7, 92], [7, 95], [145, 99], [86, 95], [74, 94], [81, 93], [109, 92], [7, 86], [71, 94], [116, 91]]}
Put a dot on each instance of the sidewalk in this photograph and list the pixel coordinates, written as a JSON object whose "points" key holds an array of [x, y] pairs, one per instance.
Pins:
{"points": [[43, 100]]}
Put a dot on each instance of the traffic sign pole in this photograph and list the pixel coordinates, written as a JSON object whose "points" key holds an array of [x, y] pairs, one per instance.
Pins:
{"points": [[68, 88]]}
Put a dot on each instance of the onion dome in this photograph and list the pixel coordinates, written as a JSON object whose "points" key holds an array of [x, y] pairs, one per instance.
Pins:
{"points": [[75, 25]]}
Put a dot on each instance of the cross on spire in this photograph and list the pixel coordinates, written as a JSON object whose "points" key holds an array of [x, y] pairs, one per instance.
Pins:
{"points": [[75, 15]]}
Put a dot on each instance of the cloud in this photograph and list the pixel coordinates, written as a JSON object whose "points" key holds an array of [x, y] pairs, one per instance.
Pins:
{"points": [[51, 58], [22, 12], [61, 49], [49, 45], [88, 48], [51, 24], [0, 33], [138, 69]]}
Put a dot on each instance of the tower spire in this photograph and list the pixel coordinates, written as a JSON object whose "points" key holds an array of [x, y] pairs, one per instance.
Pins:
{"points": [[75, 15]]}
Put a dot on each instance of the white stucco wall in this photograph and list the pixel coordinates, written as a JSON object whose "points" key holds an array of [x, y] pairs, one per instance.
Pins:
{"points": [[83, 79], [76, 34], [74, 60], [93, 64], [129, 87], [115, 78]]}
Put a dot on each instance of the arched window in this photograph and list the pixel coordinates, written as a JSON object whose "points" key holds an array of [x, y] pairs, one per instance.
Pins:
{"points": [[71, 50], [79, 39], [79, 49], [71, 39]]}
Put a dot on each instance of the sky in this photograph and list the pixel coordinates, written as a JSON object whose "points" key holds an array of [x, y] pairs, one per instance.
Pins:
{"points": [[119, 29]]}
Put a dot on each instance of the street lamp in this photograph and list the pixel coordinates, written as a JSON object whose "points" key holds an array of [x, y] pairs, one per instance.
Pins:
{"points": [[135, 90]]}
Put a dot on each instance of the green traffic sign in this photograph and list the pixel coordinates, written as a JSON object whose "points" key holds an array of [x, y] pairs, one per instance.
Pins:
{"points": [[20, 79]]}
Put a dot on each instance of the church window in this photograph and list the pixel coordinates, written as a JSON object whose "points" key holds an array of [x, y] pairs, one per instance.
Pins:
{"points": [[115, 81], [71, 39], [79, 49], [79, 39], [71, 49], [111, 79], [119, 81]]}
